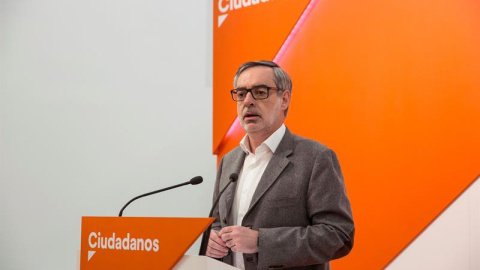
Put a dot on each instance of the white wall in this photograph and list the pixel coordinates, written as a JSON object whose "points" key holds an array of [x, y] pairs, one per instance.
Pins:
{"points": [[101, 100]]}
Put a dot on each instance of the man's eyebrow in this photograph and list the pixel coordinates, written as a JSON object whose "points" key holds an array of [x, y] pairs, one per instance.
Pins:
{"points": [[261, 85]]}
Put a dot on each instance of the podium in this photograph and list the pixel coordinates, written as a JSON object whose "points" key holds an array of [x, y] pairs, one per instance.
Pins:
{"points": [[143, 243]]}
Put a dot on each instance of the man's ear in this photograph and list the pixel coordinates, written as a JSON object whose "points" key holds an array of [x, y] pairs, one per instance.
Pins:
{"points": [[285, 99]]}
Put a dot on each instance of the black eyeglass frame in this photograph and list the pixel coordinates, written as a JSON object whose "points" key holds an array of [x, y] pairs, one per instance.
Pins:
{"points": [[249, 90]]}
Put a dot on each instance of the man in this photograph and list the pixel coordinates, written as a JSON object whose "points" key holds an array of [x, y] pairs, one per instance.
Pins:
{"points": [[289, 207]]}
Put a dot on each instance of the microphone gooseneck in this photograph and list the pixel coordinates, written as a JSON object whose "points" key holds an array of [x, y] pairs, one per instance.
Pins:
{"points": [[206, 234], [233, 178], [194, 181]]}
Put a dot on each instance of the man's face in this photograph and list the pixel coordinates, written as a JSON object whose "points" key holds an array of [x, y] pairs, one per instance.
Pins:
{"points": [[261, 116]]}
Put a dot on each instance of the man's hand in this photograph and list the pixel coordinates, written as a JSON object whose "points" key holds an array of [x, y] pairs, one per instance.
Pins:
{"points": [[216, 248], [240, 239]]}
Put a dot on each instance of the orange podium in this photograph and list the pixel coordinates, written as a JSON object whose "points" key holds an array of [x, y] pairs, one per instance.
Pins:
{"points": [[137, 242]]}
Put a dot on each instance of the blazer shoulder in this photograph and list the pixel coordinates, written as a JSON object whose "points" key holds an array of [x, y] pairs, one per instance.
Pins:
{"points": [[233, 154], [308, 145], [234, 158]]}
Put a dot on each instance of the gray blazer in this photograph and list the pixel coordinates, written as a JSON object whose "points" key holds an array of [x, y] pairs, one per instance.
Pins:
{"points": [[300, 207]]}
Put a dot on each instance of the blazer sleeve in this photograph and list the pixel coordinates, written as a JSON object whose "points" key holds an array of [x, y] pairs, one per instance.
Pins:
{"points": [[331, 231]]}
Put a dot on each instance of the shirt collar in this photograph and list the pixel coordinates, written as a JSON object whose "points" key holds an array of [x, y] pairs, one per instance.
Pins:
{"points": [[271, 142]]}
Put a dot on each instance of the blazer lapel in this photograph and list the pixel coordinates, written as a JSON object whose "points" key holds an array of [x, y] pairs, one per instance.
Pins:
{"points": [[274, 168]]}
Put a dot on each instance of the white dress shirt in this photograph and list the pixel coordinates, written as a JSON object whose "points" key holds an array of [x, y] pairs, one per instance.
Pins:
{"points": [[253, 168]]}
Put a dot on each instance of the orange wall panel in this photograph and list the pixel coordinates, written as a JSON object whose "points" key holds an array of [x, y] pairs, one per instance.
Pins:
{"points": [[394, 88]]}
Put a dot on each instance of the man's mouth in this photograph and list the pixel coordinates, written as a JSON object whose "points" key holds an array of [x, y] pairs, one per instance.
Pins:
{"points": [[248, 116]]}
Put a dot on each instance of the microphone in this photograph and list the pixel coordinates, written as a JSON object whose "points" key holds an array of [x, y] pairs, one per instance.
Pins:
{"points": [[206, 235], [194, 181]]}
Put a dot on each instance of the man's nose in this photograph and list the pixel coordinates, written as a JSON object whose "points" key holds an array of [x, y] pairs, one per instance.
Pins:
{"points": [[249, 100]]}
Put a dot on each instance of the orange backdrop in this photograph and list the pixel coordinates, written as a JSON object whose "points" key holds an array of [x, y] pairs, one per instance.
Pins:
{"points": [[392, 86]]}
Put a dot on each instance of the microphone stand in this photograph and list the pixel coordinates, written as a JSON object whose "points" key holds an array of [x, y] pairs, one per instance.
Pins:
{"points": [[206, 234]]}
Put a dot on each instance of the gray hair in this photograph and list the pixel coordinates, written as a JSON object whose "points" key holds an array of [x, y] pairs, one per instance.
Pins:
{"points": [[281, 78]]}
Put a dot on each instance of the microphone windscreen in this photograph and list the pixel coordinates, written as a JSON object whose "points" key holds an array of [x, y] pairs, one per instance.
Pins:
{"points": [[233, 177], [196, 180]]}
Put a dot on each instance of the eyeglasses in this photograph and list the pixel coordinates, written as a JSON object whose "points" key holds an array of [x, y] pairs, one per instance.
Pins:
{"points": [[258, 92]]}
